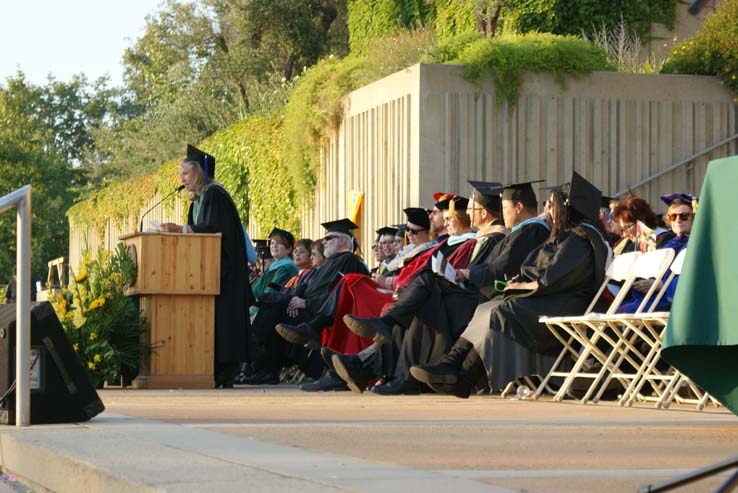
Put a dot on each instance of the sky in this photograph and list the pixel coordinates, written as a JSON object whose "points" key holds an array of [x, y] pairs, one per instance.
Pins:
{"points": [[67, 37]]}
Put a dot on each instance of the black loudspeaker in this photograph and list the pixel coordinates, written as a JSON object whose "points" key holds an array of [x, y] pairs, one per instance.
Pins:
{"points": [[60, 389]]}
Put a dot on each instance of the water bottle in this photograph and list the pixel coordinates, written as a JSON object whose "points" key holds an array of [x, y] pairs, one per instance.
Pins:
{"points": [[522, 392]]}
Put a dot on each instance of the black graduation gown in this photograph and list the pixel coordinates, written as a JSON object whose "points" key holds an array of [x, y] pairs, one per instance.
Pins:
{"points": [[507, 335], [327, 277], [218, 214], [435, 324]]}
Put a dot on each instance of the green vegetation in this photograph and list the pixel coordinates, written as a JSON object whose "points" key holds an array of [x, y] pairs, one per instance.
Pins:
{"points": [[507, 57], [100, 321], [712, 51], [208, 71]]}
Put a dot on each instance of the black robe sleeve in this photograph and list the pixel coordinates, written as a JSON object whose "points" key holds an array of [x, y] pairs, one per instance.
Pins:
{"points": [[479, 273], [509, 255], [328, 276]]}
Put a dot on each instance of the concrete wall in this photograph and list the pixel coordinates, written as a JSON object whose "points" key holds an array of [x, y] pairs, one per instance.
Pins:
{"points": [[426, 129], [614, 129]]}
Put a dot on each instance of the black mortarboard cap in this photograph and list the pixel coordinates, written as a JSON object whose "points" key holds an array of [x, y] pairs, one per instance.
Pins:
{"points": [[387, 230], [459, 203], [205, 160], [345, 226], [584, 197], [286, 235], [400, 230], [419, 216], [521, 192], [487, 194]]}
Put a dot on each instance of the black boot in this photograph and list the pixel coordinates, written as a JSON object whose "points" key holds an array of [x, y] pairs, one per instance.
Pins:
{"points": [[447, 370], [472, 371]]}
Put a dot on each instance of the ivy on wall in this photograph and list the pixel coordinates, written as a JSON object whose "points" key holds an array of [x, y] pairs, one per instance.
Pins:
{"points": [[578, 16], [249, 148]]}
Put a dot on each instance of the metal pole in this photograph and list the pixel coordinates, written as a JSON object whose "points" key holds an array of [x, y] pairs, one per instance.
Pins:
{"points": [[23, 313]]}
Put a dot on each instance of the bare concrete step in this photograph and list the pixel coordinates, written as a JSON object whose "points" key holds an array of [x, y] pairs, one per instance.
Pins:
{"points": [[122, 454]]}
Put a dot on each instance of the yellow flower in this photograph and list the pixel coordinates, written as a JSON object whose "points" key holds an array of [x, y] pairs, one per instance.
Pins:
{"points": [[97, 358], [97, 304], [93, 336], [80, 277], [90, 365], [75, 346]]}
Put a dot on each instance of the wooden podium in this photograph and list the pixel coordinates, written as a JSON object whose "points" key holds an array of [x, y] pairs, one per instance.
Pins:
{"points": [[178, 277]]}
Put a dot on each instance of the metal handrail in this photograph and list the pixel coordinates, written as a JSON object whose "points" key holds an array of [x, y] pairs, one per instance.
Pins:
{"points": [[677, 165], [21, 199]]}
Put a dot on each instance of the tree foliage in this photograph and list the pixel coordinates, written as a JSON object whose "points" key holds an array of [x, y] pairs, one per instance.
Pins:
{"points": [[713, 50], [29, 154]]}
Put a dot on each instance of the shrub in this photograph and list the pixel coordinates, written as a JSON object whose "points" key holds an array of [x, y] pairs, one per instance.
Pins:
{"points": [[713, 50], [507, 57]]}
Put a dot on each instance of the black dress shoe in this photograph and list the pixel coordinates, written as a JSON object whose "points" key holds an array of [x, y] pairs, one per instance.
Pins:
{"points": [[355, 372], [372, 328], [398, 386], [329, 381], [261, 377], [301, 334]]}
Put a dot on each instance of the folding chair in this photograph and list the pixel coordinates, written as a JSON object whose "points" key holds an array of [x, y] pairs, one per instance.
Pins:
{"points": [[655, 323], [595, 331], [563, 328], [627, 334]]}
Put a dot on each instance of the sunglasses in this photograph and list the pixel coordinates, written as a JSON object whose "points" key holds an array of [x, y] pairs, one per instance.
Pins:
{"points": [[412, 231], [684, 216], [330, 237]]}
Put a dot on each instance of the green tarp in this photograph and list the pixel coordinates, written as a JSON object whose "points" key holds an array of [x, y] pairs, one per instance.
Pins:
{"points": [[701, 339]]}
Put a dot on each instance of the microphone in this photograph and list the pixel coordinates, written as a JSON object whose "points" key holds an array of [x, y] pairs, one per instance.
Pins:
{"points": [[178, 189]]}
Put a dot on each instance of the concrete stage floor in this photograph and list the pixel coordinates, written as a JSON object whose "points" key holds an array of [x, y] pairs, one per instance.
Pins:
{"points": [[279, 438]]}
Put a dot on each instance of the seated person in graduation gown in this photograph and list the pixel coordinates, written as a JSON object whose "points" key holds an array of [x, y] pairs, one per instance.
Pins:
{"points": [[679, 217], [559, 278], [432, 311], [386, 236], [338, 249], [282, 268], [213, 211]]}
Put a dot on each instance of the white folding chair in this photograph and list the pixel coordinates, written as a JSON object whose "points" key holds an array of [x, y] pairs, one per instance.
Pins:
{"points": [[627, 334], [565, 331], [597, 332]]}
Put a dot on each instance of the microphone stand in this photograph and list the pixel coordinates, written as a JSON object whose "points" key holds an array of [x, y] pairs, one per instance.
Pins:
{"points": [[178, 189]]}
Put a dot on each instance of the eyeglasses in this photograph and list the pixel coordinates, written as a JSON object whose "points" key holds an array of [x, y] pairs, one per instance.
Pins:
{"points": [[412, 231], [684, 216], [329, 238], [626, 227]]}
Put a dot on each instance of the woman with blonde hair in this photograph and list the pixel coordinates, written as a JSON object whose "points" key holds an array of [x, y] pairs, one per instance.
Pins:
{"points": [[212, 211]]}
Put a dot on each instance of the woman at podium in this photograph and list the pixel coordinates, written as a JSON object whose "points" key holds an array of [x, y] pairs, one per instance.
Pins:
{"points": [[212, 211]]}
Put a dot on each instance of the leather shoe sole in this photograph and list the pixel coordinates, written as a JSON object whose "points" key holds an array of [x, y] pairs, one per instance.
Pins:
{"points": [[296, 338], [421, 374], [362, 328]]}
